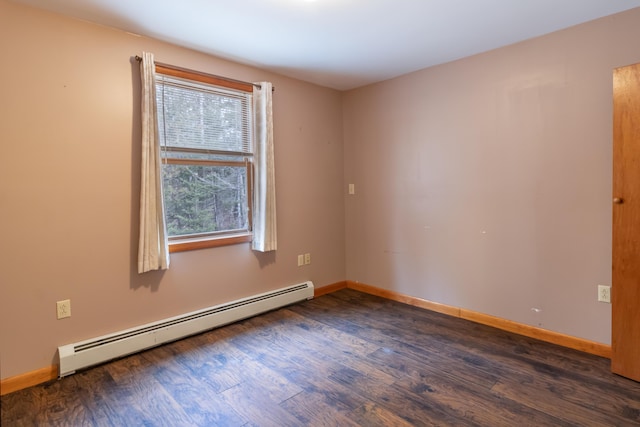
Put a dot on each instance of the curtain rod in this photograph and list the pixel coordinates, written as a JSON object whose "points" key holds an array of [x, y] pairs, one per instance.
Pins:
{"points": [[139, 58]]}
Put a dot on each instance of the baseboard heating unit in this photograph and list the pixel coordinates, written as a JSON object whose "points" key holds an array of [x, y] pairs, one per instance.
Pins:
{"points": [[112, 346]]}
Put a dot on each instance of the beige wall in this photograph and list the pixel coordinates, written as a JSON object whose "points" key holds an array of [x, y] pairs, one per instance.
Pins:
{"points": [[69, 168], [486, 183]]}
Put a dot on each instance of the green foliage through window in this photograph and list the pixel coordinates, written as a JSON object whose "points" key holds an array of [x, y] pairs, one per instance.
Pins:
{"points": [[204, 199]]}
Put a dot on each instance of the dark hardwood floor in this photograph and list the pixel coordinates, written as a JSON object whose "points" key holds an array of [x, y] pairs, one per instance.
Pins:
{"points": [[343, 359]]}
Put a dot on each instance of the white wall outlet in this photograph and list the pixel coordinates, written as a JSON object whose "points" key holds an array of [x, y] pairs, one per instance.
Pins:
{"points": [[307, 259], [352, 189], [300, 260], [63, 309], [604, 293]]}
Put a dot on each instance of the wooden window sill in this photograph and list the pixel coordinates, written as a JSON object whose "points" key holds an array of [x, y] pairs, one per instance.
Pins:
{"points": [[190, 245]]}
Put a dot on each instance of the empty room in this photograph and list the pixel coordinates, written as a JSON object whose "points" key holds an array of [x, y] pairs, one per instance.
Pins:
{"points": [[320, 212]]}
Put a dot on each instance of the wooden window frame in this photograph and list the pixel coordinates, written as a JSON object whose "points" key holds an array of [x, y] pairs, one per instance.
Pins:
{"points": [[211, 240]]}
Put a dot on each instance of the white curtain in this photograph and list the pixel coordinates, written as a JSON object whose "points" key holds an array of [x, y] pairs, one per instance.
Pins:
{"points": [[153, 248], [264, 204]]}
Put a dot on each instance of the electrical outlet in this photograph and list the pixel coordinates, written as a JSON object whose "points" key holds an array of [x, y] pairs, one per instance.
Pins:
{"points": [[352, 189], [300, 260], [63, 308], [604, 293], [307, 259]]}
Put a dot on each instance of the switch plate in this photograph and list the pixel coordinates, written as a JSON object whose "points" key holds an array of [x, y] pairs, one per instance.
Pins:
{"points": [[352, 189], [300, 260], [604, 293], [63, 309]]}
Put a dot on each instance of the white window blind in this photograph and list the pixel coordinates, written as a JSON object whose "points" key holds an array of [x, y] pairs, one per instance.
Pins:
{"points": [[195, 116]]}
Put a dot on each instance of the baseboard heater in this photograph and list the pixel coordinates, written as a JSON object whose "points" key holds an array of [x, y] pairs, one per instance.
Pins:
{"points": [[112, 346]]}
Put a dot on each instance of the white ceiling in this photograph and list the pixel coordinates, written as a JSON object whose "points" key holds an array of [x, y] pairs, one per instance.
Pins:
{"points": [[341, 44]]}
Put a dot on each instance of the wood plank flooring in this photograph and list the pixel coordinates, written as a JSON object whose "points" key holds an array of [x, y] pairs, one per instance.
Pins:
{"points": [[343, 359]]}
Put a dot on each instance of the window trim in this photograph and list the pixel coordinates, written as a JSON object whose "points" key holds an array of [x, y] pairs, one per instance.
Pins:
{"points": [[208, 242], [181, 244], [172, 70]]}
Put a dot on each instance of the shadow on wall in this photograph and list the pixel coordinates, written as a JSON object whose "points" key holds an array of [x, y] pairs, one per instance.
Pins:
{"points": [[265, 258]]}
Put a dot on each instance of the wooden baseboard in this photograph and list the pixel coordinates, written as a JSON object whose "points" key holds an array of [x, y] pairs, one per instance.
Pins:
{"points": [[28, 379], [568, 341], [329, 288], [406, 299]]}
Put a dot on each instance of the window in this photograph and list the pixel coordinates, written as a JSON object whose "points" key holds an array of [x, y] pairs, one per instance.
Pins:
{"points": [[205, 135]]}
